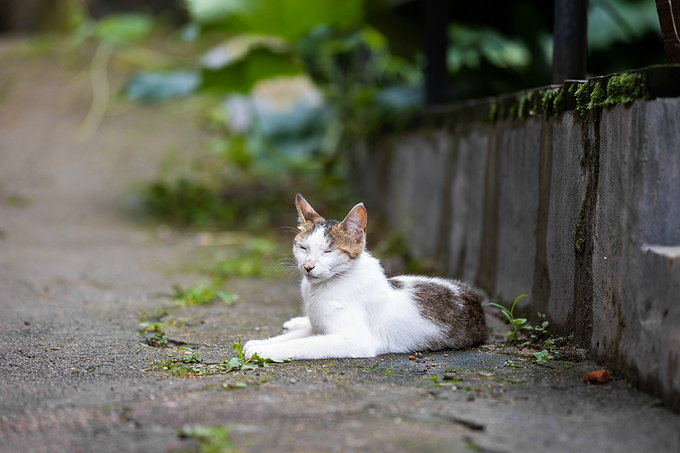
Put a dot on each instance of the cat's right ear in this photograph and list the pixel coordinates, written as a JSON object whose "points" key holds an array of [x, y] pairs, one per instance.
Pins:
{"points": [[305, 212]]}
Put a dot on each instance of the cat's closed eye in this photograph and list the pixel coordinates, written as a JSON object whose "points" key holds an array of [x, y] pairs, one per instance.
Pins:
{"points": [[303, 248]]}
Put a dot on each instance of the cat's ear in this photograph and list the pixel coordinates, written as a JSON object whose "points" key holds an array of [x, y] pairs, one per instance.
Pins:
{"points": [[355, 222], [305, 212]]}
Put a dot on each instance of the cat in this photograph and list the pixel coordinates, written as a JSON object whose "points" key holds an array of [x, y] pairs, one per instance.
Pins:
{"points": [[353, 310]]}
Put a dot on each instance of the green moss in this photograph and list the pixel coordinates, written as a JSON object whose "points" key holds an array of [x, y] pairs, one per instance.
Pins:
{"points": [[559, 103], [598, 97], [582, 95], [579, 234], [627, 88], [526, 106], [493, 111], [501, 112], [548, 100], [596, 145]]}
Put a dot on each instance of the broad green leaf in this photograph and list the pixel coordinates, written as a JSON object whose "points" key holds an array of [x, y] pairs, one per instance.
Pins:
{"points": [[124, 29], [238, 348], [233, 363], [288, 19], [241, 76], [238, 47], [155, 87]]}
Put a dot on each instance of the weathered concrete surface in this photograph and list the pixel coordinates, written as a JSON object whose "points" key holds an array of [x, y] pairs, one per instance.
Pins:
{"points": [[76, 272], [568, 208]]}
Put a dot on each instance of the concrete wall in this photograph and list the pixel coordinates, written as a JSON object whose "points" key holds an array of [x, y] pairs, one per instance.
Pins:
{"points": [[579, 210]]}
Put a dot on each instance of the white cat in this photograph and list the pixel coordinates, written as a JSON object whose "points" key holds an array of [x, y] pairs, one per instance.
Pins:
{"points": [[353, 310]]}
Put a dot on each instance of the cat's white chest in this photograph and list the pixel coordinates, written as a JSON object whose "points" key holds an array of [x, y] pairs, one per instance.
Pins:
{"points": [[329, 312]]}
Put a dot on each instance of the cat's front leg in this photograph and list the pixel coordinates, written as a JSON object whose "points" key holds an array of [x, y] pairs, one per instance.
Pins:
{"points": [[316, 347]]}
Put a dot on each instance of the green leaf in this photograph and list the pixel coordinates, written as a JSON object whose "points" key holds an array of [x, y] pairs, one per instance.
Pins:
{"points": [[243, 74], [234, 363], [238, 348], [210, 439], [155, 86], [124, 29], [226, 297], [515, 302], [238, 47], [288, 19]]}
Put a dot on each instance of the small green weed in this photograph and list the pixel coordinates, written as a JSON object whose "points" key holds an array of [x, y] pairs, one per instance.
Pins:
{"points": [[240, 363], [543, 357], [215, 439], [189, 363], [153, 333], [184, 365], [201, 293], [190, 356], [515, 323], [539, 331]]}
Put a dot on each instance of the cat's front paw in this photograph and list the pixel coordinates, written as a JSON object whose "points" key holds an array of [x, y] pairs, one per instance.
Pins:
{"points": [[299, 323], [264, 351], [251, 347]]}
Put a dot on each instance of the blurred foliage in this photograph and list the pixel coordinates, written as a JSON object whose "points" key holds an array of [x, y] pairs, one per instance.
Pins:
{"points": [[253, 257], [623, 35], [291, 84]]}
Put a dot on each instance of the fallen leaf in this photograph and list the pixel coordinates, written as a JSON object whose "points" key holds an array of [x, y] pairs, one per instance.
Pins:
{"points": [[597, 377]]}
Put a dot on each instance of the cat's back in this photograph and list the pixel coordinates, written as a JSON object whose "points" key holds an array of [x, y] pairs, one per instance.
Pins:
{"points": [[450, 304]]}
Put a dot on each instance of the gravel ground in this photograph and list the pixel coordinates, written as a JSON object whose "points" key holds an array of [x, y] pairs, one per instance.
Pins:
{"points": [[78, 271]]}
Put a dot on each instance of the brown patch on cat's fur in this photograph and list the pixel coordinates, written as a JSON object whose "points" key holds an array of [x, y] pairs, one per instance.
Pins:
{"points": [[350, 235], [346, 241], [395, 283], [462, 316], [305, 229]]}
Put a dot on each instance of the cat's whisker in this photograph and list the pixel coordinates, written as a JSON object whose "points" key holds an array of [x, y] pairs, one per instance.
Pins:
{"points": [[290, 229]]}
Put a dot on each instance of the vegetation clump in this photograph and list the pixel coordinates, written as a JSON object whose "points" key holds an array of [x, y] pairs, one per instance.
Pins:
{"points": [[201, 293], [189, 363], [524, 334], [211, 439], [627, 88]]}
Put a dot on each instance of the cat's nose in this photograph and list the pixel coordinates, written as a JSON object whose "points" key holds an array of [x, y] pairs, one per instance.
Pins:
{"points": [[308, 267]]}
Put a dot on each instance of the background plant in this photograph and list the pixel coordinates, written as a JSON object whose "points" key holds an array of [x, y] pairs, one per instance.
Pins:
{"points": [[516, 324], [201, 293], [289, 85]]}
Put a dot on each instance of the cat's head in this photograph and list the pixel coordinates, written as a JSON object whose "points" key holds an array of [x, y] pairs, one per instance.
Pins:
{"points": [[325, 249]]}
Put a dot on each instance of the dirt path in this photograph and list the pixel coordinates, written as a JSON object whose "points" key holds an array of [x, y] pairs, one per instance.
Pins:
{"points": [[77, 270]]}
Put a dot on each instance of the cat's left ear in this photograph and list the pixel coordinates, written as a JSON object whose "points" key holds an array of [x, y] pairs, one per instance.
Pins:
{"points": [[355, 222]]}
